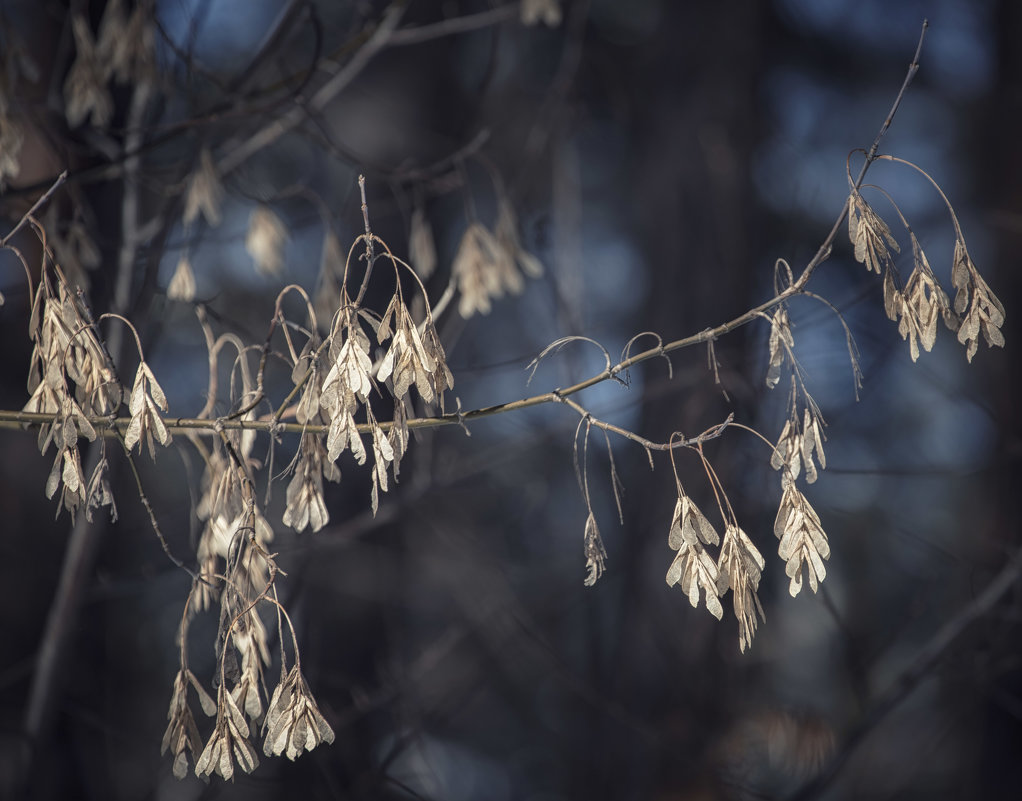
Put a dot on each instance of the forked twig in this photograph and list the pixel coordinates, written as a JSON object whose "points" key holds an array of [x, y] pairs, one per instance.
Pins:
{"points": [[43, 199]]}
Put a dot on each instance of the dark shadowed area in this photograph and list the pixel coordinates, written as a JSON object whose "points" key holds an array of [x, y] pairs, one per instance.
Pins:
{"points": [[669, 166]]}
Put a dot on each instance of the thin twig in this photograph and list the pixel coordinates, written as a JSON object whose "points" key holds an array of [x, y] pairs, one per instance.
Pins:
{"points": [[233, 108], [824, 250], [44, 198], [711, 433], [153, 522], [913, 68], [237, 155], [273, 36], [455, 25], [368, 242]]}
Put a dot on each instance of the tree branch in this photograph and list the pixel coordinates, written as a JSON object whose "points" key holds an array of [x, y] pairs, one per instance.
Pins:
{"points": [[35, 207], [930, 654], [236, 155], [455, 25]]}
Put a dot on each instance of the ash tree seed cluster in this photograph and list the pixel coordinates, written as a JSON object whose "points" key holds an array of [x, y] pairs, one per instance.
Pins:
{"points": [[917, 304]]}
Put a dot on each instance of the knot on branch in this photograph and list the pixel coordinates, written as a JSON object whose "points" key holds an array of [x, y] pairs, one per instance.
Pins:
{"points": [[460, 417]]}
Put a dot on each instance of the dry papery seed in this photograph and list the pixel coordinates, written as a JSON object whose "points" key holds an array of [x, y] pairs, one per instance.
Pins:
{"points": [[182, 283], [740, 567], [780, 343], [985, 312], [506, 232], [869, 234], [802, 539], [228, 742], [421, 246], [85, 90], [477, 271], [205, 192], [305, 504], [693, 568], [265, 240], [146, 424], [293, 722], [546, 11], [795, 447], [595, 553]]}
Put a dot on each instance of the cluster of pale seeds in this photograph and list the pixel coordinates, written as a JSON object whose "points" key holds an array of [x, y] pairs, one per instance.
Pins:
{"points": [[918, 305], [340, 380], [363, 354], [738, 566], [123, 50], [487, 263], [348, 362], [803, 544], [72, 378], [334, 379]]}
